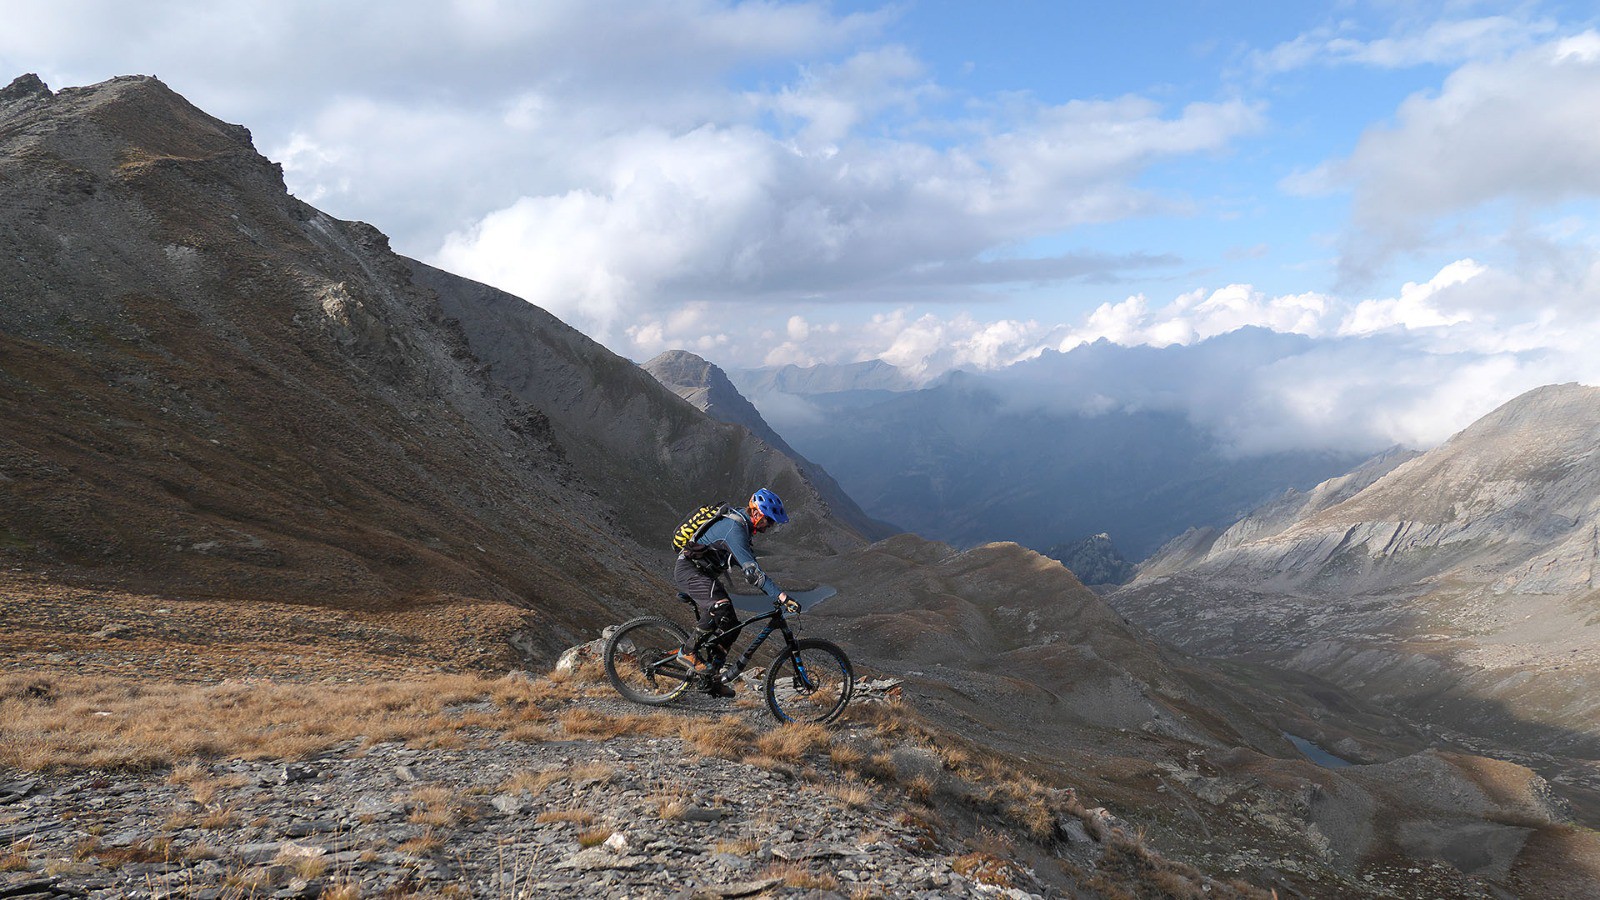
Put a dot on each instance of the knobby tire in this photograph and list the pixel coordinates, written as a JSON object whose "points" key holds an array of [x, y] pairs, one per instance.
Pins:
{"points": [[819, 693], [638, 661]]}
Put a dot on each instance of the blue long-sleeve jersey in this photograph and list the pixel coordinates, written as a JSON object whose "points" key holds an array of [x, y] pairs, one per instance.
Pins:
{"points": [[729, 537]]}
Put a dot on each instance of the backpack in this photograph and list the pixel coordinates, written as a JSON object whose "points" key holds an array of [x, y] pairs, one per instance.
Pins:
{"points": [[689, 532]]}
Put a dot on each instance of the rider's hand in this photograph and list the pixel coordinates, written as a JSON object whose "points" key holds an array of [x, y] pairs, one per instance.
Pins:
{"points": [[788, 603]]}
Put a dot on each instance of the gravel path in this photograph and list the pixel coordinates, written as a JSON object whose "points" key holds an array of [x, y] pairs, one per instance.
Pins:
{"points": [[629, 816]]}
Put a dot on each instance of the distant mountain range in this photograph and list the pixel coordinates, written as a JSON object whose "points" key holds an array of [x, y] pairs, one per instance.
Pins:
{"points": [[1029, 454]]}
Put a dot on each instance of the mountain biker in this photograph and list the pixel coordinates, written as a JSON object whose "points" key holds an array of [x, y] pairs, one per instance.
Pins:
{"points": [[723, 543]]}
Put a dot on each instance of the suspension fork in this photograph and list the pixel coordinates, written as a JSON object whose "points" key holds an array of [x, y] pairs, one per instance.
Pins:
{"points": [[802, 678]]}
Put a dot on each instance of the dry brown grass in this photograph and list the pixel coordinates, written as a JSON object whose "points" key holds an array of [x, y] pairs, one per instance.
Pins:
{"points": [[71, 723], [593, 837], [309, 867], [434, 805], [15, 859], [202, 850], [156, 850], [346, 890], [596, 725], [595, 771], [534, 782], [219, 819], [424, 843], [739, 847], [791, 743], [851, 795], [797, 875], [986, 868], [728, 737], [671, 801]]}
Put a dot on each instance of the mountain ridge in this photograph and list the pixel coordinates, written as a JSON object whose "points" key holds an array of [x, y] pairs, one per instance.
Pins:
{"points": [[1457, 584], [707, 387]]}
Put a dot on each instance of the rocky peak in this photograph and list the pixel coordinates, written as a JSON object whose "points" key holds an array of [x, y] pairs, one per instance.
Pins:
{"points": [[1475, 562], [1095, 560], [706, 386], [24, 87], [139, 115]]}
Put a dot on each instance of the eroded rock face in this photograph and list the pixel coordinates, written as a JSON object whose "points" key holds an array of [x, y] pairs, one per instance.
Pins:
{"points": [[1453, 582]]}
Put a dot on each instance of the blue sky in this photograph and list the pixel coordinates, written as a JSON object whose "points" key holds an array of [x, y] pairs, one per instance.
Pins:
{"points": [[945, 184]]}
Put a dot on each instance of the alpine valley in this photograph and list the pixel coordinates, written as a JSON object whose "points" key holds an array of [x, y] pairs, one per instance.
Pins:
{"points": [[296, 534]]}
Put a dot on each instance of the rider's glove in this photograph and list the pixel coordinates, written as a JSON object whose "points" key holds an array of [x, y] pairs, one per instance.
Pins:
{"points": [[789, 604]]}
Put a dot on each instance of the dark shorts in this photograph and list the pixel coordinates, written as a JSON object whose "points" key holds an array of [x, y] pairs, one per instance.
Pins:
{"points": [[705, 590], [710, 598]]}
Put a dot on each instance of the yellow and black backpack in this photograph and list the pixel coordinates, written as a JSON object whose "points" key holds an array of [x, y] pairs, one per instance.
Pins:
{"points": [[689, 532]]}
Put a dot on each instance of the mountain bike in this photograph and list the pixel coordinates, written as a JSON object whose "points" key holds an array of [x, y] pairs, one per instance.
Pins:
{"points": [[810, 681]]}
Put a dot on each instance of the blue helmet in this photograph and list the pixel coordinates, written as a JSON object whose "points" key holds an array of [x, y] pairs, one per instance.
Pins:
{"points": [[768, 504]]}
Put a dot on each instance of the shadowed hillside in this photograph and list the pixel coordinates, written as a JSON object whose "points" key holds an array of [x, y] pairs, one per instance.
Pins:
{"points": [[214, 389]]}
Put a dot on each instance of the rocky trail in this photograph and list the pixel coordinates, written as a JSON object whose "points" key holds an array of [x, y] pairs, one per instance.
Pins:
{"points": [[574, 815]]}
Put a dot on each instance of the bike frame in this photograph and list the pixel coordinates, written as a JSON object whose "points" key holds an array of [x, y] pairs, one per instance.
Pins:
{"points": [[731, 671]]}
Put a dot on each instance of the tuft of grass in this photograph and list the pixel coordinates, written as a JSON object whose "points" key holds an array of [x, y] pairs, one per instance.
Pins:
{"points": [[202, 850], [791, 743], [671, 802], [986, 868], [740, 847], [728, 737], [593, 837], [596, 725], [434, 805], [307, 867], [344, 890], [795, 875], [219, 819], [531, 781], [424, 843], [851, 795], [15, 859]]}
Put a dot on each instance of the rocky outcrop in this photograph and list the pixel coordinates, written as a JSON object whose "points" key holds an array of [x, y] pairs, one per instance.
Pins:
{"points": [[1095, 560], [1442, 582]]}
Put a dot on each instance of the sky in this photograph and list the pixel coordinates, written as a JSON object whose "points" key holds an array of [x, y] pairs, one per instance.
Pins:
{"points": [[1412, 186]]}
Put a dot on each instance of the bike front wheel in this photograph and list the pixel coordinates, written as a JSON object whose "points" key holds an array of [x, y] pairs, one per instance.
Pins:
{"points": [[641, 660], [810, 684]]}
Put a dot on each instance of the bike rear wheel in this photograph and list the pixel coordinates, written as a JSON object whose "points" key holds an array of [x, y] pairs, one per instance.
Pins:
{"points": [[812, 684], [641, 660]]}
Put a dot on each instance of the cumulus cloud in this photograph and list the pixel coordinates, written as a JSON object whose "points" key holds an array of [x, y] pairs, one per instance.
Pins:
{"points": [[734, 212], [1518, 130]]}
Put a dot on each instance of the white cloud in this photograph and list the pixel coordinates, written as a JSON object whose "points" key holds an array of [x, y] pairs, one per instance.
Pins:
{"points": [[1519, 130], [1447, 42], [1415, 308]]}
